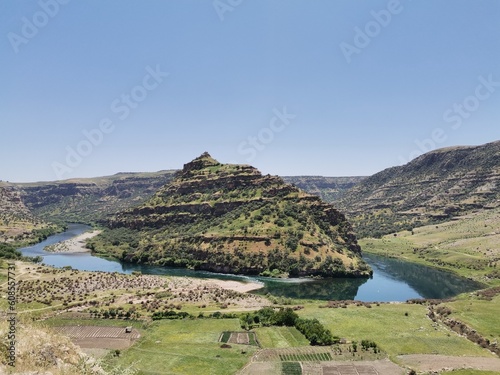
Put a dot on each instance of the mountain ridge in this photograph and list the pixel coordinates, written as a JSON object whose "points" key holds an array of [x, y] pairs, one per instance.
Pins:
{"points": [[435, 186]]}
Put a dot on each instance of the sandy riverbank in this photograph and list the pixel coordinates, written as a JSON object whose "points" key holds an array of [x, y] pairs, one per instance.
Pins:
{"points": [[237, 286], [73, 245]]}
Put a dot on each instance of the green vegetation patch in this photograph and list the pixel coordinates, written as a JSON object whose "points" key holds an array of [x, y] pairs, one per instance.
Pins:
{"points": [[396, 328], [306, 357], [479, 314], [225, 337], [280, 337], [291, 368], [185, 347]]}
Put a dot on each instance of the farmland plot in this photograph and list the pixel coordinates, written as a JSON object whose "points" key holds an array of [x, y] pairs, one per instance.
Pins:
{"points": [[101, 337]]}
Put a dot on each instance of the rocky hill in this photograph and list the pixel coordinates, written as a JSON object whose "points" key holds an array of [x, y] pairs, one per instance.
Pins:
{"points": [[433, 187], [329, 189], [88, 200], [230, 218]]}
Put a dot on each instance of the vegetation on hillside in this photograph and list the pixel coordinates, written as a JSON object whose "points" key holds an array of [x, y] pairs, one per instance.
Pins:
{"points": [[230, 218], [432, 188], [467, 246]]}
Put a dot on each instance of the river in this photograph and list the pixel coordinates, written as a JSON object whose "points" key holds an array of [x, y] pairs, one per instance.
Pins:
{"points": [[393, 280]]}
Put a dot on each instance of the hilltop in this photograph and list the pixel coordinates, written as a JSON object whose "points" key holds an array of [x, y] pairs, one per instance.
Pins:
{"points": [[230, 218], [434, 187]]}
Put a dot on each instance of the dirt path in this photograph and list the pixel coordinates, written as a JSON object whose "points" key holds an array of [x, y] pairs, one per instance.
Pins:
{"points": [[432, 362]]}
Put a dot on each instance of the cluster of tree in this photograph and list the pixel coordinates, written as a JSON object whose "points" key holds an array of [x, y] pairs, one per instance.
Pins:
{"points": [[170, 314], [115, 313], [312, 329], [367, 344], [8, 251], [315, 332]]}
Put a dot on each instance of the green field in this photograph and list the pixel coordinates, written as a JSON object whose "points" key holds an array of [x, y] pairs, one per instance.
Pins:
{"points": [[280, 337], [186, 347], [482, 315], [393, 331], [291, 368], [306, 357]]}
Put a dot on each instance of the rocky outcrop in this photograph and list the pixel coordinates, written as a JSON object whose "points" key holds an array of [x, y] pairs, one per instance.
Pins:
{"points": [[231, 217]]}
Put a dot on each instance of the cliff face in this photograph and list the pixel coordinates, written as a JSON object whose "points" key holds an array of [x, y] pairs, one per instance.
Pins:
{"points": [[17, 224], [231, 218], [90, 199], [435, 186]]}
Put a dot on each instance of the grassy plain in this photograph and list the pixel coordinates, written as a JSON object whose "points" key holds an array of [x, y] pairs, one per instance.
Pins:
{"points": [[480, 314], [186, 347], [395, 332]]}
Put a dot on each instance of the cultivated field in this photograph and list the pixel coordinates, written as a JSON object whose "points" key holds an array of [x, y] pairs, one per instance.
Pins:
{"points": [[100, 337], [377, 367], [280, 337], [186, 347], [244, 338]]}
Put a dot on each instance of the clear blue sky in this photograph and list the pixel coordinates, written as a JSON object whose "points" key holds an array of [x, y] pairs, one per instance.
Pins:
{"points": [[359, 82]]}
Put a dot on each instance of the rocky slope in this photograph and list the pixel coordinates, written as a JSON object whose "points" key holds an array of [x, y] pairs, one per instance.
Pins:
{"points": [[231, 218], [435, 186]]}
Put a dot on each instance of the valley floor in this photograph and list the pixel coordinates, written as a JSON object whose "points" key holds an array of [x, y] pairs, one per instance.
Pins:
{"points": [[76, 304]]}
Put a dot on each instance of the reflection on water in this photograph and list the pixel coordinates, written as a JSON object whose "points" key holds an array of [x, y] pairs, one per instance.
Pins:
{"points": [[329, 289], [392, 280], [426, 281]]}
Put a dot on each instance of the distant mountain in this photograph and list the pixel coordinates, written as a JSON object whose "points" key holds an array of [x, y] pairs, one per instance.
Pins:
{"points": [[329, 189], [433, 187], [89, 200], [230, 218]]}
